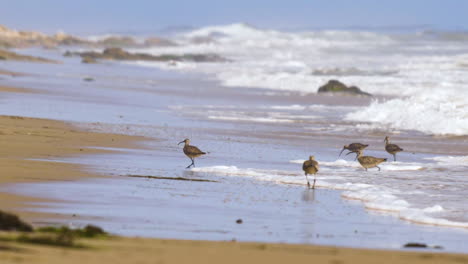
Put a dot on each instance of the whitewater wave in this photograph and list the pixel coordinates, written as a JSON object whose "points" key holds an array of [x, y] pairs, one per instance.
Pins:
{"points": [[442, 114], [426, 74]]}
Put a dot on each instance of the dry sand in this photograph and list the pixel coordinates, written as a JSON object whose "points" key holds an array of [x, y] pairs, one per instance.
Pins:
{"points": [[136, 250], [25, 142]]}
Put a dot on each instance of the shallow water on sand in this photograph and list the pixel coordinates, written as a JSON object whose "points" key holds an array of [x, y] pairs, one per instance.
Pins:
{"points": [[257, 140], [271, 210]]}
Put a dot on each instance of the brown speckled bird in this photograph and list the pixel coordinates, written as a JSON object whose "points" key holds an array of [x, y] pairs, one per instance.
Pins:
{"points": [[392, 148], [191, 151], [310, 166], [354, 148], [369, 161]]}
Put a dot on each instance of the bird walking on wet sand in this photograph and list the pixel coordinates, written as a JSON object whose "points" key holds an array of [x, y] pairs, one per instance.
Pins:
{"points": [[310, 166], [354, 148], [392, 148], [191, 151], [369, 161]]}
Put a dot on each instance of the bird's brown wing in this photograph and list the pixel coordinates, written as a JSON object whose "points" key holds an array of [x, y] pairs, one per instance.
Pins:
{"points": [[357, 146], [393, 148], [371, 160], [310, 163], [192, 150]]}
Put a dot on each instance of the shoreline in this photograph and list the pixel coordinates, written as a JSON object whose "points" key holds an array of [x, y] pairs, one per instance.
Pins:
{"points": [[91, 152], [29, 144]]}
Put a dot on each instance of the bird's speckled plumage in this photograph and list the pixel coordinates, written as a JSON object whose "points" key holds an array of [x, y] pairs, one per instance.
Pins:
{"points": [[369, 161], [310, 166]]}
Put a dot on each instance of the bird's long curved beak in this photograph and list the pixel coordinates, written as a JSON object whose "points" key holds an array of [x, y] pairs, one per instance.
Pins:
{"points": [[341, 152], [181, 142]]}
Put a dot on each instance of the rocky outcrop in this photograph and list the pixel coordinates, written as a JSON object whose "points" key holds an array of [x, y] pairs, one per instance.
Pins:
{"points": [[10, 38], [334, 86], [153, 41], [117, 41], [9, 55], [121, 54]]}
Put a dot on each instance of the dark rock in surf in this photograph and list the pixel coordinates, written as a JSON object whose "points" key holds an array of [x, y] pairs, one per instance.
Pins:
{"points": [[88, 60], [415, 245], [334, 86]]}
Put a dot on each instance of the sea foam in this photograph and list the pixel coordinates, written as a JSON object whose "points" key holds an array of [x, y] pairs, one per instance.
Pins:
{"points": [[425, 74], [380, 191]]}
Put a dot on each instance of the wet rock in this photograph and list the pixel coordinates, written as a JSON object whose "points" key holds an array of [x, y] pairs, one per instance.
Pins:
{"points": [[117, 41], [11, 222], [420, 245], [120, 54], [415, 245], [334, 86], [88, 60], [68, 54], [239, 221], [87, 79]]}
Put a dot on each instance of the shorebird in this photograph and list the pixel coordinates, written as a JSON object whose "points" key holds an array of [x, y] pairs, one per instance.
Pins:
{"points": [[353, 148], [191, 151], [310, 166], [369, 161], [392, 148]]}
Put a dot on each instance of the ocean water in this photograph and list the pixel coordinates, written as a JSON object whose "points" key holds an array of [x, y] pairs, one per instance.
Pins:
{"points": [[424, 73], [258, 117]]}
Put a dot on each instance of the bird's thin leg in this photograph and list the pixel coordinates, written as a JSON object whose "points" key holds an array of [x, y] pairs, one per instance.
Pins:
{"points": [[313, 185], [356, 157], [394, 157], [365, 168], [378, 167], [308, 184], [190, 164], [349, 153], [193, 162]]}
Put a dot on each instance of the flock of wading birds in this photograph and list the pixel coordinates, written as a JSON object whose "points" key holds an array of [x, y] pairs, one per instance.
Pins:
{"points": [[311, 166]]}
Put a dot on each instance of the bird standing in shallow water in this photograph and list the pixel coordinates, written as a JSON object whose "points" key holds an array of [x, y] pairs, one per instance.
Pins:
{"points": [[392, 148], [191, 151], [354, 148], [369, 161], [310, 166]]}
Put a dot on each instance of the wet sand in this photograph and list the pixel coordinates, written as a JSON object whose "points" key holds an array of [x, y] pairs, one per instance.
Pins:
{"points": [[27, 143]]}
